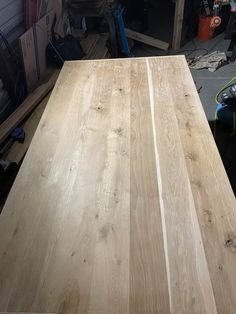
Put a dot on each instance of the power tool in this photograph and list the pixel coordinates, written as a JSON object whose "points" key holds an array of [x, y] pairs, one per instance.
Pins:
{"points": [[226, 109]]}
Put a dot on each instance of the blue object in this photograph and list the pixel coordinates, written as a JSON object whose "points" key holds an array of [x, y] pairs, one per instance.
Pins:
{"points": [[120, 21], [220, 107], [18, 134]]}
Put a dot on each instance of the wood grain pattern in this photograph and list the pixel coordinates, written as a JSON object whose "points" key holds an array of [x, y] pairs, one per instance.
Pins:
{"points": [[17, 151], [122, 204], [151, 41], [178, 23], [27, 107]]}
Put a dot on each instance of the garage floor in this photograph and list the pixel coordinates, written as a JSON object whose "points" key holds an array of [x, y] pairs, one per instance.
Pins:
{"points": [[210, 82]]}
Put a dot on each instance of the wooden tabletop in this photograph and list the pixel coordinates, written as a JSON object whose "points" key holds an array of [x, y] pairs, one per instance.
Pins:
{"points": [[122, 204]]}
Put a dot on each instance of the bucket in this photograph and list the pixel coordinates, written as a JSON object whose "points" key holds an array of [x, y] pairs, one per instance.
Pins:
{"points": [[205, 31]]}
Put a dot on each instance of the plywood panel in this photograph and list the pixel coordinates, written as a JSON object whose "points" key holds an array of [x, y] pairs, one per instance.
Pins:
{"points": [[117, 207], [27, 45]]}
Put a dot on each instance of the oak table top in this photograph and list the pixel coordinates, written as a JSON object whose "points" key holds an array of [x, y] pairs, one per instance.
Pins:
{"points": [[122, 204]]}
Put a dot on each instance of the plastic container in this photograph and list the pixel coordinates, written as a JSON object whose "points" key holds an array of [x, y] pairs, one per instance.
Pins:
{"points": [[205, 31]]}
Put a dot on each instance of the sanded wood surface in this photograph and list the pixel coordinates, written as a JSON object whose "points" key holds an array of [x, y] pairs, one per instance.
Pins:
{"points": [[122, 204]]}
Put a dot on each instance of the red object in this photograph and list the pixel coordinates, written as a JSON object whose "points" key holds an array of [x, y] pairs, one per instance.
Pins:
{"points": [[215, 22], [205, 31]]}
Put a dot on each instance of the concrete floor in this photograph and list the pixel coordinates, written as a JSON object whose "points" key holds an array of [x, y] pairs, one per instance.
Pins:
{"points": [[210, 82]]}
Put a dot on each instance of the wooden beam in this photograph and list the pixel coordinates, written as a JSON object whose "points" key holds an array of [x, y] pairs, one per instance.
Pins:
{"points": [[100, 49], [89, 43], [148, 40], [18, 150], [26, 107], [178, 24]]}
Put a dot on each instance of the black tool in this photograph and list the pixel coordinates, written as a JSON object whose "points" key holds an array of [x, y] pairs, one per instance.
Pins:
{"points": [[229, 98], [61, 49]]}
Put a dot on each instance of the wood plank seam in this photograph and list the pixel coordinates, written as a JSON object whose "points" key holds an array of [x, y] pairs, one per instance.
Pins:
{"points": [[158, 174], [209, 307]]}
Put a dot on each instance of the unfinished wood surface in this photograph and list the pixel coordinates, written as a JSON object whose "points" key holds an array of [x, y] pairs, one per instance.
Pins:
{"points": [[95, 46], [42, 33], [122, 204], [27, 106], [100, 49], [27, 45], [88, 43], [18, 150], [151, 41], [178, 23]]}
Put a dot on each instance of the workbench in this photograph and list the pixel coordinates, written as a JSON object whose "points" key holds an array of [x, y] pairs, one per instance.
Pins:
{"points": [[122, 204]]}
